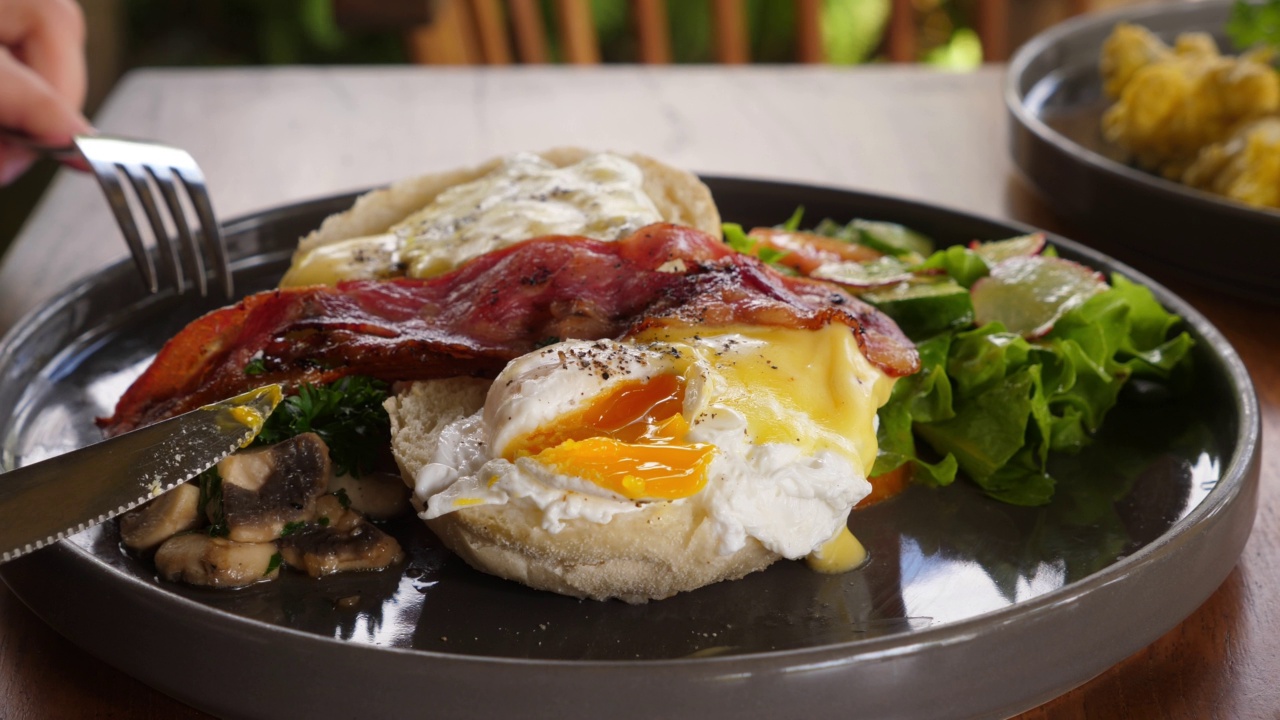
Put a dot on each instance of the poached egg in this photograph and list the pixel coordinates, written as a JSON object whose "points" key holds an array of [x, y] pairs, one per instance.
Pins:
{"points": [[769, 431]]}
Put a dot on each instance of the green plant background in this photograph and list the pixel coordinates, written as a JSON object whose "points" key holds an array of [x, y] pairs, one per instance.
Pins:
{"points": [[270, 32]]}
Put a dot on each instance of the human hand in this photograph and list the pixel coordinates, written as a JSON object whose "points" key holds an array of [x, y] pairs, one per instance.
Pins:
{"points": [[42, 76]]}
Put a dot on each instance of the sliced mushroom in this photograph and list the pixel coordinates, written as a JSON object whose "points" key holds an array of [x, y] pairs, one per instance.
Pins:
{"points": [[333, 512], [197, 559], [173, 512], [264, 490], [342, 540], [378, 495]]}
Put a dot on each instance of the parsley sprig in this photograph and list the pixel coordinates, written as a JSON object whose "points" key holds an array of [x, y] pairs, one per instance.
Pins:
{"points": [[256, 366], [210, 502], [346, 414]]}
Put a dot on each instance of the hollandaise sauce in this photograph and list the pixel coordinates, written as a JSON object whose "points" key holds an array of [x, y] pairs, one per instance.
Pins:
{"points": [[809, 388], [601, 197], [841, 553]]}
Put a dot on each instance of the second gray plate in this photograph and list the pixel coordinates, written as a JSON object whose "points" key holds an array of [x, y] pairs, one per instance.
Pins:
{"points": [[1054, 96]]}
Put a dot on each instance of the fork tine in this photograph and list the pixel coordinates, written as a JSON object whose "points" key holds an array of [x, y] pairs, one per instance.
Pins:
{"points": [[141, 190], [193, 180], [202, 237], [119, 202], [163, 178]]}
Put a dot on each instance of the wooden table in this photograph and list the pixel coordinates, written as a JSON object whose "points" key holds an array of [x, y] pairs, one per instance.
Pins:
{"points": [[266, 137]]}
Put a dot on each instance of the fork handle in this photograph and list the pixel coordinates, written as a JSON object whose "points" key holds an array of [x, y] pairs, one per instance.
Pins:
{"points": [[66, 154]]}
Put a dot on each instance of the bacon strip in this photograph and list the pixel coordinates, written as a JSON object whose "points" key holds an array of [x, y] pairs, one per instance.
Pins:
{"points": [[497, 307]]}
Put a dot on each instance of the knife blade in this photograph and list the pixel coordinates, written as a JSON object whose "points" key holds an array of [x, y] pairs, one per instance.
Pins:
{"points": [[44, 502]]}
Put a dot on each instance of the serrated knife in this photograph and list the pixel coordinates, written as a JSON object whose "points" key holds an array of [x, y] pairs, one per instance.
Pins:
{"points": [[44, 502]]}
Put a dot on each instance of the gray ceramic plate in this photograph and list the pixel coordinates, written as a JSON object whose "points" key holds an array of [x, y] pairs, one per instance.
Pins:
{"points": [[967, 604], [1054, 96]]}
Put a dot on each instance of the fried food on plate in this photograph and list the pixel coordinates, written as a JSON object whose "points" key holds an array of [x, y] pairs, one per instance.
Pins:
{"points": [[1245, 167], [1173, 101]]}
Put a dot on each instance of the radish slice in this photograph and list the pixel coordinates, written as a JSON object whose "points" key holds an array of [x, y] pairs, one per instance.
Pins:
{"points": [[885, 271], [998, 250], [1027, 294]]}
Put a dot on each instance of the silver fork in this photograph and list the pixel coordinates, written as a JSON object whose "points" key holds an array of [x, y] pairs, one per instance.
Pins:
{"points": [[146, 165]]}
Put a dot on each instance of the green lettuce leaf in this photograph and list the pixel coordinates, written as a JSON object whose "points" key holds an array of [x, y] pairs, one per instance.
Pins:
{"points": [[923, 397], [997, 404], [961, 263]]}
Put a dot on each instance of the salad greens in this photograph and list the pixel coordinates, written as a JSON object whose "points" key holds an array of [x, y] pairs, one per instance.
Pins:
{"points": [[993, 403], [736, 238]]}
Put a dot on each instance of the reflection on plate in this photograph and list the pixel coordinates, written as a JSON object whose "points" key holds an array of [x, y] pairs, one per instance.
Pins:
{"points": [[958, 604], [1055, 100]]}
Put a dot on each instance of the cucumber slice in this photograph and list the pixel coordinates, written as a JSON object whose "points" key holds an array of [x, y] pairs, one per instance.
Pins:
{"points": [[884, 237], [1027, 294], [924, 309], [891, 238]]}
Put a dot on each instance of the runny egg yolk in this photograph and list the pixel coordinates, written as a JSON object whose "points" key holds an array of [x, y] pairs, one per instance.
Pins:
{"points": [[628, 440]]}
